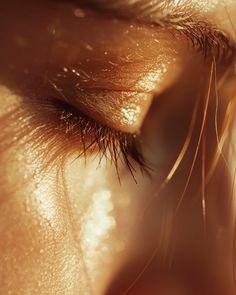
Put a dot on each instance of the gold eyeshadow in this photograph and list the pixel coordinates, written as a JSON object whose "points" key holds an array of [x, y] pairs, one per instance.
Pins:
{"points": [[110, 69], [91, 78]]}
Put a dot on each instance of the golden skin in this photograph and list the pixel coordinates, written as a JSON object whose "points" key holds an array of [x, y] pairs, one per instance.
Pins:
{"points": [[71, 228]]}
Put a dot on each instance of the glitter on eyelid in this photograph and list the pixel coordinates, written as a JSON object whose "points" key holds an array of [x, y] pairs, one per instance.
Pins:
{"points": [[133, 114], [130, 115], [74, 71], [150, 80]]}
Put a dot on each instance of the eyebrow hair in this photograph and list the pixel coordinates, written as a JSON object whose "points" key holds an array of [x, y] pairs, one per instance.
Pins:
{"points": [[203, 35]]}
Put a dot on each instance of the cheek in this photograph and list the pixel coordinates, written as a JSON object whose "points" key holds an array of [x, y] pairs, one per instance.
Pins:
{"points": [[65, 225], [59, 223], [106, 214], [36, 240], [36, 243], [66, 222]]}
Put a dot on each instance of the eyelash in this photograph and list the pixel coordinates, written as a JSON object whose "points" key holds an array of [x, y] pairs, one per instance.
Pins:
{"points": [[96, 138]]}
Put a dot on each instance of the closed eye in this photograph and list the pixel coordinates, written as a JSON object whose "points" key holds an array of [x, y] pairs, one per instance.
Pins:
{"points": [[91, 137], [92, 77]]}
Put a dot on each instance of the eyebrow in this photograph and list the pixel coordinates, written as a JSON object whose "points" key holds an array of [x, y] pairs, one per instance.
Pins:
{"points": [[204, 36]]}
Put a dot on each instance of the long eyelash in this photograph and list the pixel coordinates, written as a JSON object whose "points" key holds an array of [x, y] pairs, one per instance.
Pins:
{"points": [[108, 143]]}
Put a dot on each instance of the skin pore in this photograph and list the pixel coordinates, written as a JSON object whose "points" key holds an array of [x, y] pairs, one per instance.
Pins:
{"points": [[77, 216]]}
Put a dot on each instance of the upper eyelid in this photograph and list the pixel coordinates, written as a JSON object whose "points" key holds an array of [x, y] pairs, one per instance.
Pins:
{"points": [[44, 70], [93, 55]]}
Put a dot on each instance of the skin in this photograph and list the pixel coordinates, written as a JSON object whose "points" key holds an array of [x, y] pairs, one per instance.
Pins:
{"points": [[69, 227]]}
